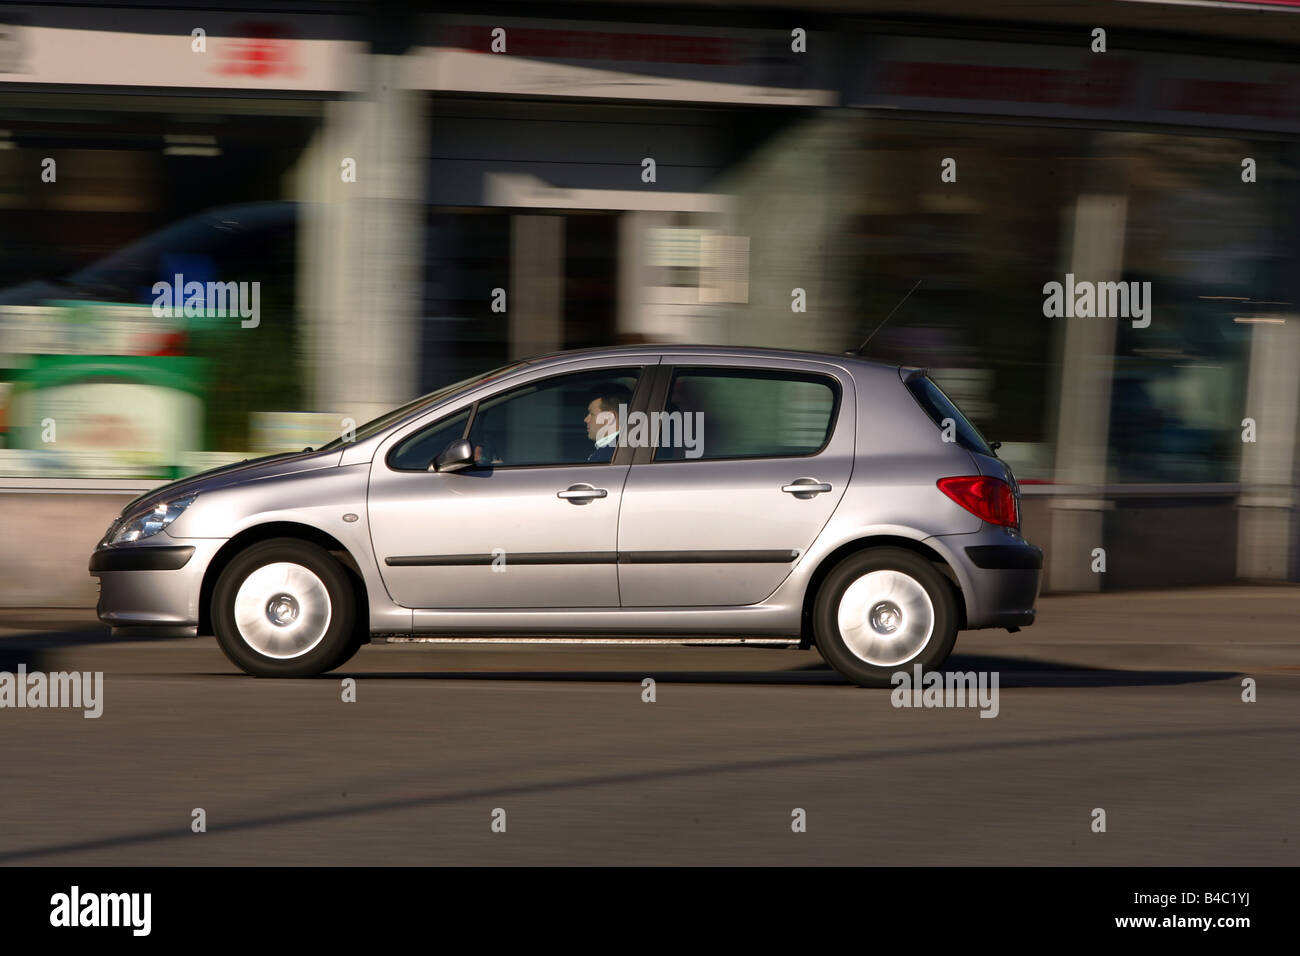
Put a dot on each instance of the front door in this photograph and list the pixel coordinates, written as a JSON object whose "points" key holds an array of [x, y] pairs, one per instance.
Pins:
{"points": [[534, 523]]}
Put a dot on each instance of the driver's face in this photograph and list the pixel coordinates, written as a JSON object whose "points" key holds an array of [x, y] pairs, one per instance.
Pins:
{"points": [[598, 421]]}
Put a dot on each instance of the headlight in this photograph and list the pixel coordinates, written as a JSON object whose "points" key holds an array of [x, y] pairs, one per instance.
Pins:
{"points": [[146, 524]]}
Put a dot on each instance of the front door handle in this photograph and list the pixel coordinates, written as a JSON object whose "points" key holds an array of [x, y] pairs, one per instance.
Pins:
{"points": [[581, 494], [805, 487]]}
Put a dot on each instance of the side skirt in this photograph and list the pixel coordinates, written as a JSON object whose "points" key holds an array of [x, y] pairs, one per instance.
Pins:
{"points": [[679, 641]]}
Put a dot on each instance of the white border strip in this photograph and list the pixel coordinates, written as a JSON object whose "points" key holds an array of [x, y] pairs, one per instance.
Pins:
{"points": [[79, 486]]}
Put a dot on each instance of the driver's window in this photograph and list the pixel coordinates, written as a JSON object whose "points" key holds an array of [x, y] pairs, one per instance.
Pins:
{"points": [[419, 451], [567, 420]]}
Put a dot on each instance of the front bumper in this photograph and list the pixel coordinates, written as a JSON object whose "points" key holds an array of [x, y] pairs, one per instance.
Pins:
{"points": [[156, 584], [164, 558]]}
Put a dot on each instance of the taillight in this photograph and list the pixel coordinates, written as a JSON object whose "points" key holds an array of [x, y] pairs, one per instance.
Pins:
{"points": [[990, 499]]}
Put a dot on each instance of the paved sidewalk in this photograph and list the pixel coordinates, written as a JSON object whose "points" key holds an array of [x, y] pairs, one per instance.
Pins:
{"points": [[1197, 628]]}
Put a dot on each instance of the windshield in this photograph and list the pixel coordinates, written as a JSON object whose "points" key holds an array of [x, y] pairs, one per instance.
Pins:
{"points": [[375, 426]]}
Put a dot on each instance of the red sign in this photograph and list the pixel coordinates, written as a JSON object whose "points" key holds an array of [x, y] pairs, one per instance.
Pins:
{"points": [[259, 49]]}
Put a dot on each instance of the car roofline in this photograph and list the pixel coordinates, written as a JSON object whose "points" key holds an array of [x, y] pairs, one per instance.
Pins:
{"points": [[842, 359], [846, 362]]}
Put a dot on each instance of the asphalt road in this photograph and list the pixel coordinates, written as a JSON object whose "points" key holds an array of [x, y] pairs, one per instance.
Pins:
{"points": [[1127, 702]]}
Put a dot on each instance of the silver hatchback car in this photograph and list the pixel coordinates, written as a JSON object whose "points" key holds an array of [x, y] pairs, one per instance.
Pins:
{"points": [[730, 495]]}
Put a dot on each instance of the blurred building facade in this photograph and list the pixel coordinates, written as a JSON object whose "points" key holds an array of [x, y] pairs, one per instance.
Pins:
{"points": [[422, 197]]}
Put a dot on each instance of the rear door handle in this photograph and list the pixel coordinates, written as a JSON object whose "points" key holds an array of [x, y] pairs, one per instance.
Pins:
{"points": [[805, 487], [581, 494]]}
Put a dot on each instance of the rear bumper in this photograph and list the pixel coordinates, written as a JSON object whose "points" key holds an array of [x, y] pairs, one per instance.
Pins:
{"points": [[1006, 557], [999, 576], [1008, 578]]}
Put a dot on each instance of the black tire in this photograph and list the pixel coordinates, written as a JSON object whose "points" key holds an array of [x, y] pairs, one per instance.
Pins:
{"points": [[839, 652], [334, 647]]}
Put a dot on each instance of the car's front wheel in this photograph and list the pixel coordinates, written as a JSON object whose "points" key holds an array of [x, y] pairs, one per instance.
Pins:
{"points": [[284, 608], [884, 610]]}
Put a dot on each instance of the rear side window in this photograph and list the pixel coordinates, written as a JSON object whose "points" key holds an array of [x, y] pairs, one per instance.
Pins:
{"points": [[746, 413], [940, 407]]}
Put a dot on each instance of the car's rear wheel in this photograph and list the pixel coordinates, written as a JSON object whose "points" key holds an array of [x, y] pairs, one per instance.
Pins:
{"points": [[884, 610], [284, 608]]}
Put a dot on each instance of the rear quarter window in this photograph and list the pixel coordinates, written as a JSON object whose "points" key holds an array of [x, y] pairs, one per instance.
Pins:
{"points": [[941, 408]]}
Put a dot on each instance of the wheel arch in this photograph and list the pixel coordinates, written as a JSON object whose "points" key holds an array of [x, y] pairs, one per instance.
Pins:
{"points": [[283, 529], [859, 545]]}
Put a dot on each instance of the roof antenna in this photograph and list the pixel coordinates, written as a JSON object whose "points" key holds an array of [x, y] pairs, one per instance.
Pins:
{"points": [[862, 349]]}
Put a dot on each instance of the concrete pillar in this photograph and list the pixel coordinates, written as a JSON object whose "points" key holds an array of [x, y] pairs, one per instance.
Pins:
{"points": [[362, 247], [1082, 434], [631, 254], [1266, 527], [789, 198], [535, 302]]}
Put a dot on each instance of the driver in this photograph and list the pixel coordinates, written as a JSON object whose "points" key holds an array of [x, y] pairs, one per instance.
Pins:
{"points": [[602, 421]]}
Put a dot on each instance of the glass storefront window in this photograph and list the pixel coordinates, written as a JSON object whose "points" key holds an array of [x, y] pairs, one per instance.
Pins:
{"points": [[1215, 253], [148, 316]]}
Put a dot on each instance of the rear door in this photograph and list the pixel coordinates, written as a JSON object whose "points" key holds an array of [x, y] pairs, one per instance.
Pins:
{"points": [[744, 468]]}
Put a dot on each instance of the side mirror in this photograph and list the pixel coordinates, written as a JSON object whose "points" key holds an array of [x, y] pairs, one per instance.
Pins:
{"points": [[457, 455]]}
